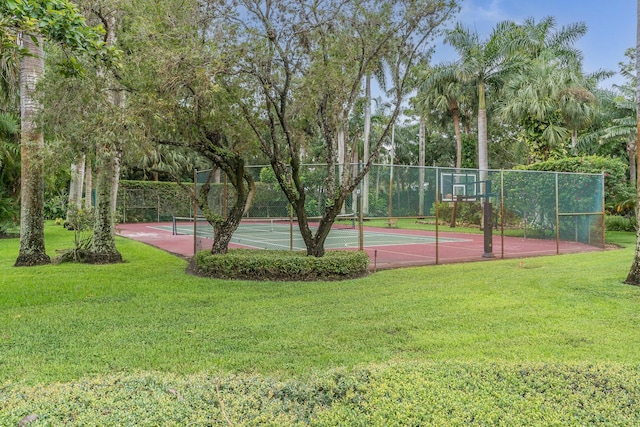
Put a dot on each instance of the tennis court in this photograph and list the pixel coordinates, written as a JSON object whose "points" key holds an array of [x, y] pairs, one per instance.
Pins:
{"points": [[387, 247], [283, 234]]}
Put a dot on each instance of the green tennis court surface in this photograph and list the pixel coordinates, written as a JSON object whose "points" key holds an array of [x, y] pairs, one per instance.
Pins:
{"points": [[277, 235]]}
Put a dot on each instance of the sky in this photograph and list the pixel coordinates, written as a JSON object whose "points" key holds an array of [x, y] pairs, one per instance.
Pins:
{"points": [[611, 26]]}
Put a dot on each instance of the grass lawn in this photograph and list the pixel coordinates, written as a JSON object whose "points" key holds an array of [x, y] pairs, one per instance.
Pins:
{"points": [[554, 341]]}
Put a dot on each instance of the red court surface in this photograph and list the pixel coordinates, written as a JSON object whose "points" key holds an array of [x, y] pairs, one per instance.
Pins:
{"points": [[464, 247]]}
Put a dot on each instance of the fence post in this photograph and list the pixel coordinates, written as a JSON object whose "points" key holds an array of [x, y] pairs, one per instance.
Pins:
{"points": [[557, 218], [195, 211], [437, 203]]}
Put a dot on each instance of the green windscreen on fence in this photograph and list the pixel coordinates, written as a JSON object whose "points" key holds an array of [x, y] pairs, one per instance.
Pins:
{"points": [[526, 208]]}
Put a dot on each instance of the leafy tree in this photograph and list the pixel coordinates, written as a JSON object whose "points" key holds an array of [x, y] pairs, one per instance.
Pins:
{"points": [[172, 67], [304, 64]]}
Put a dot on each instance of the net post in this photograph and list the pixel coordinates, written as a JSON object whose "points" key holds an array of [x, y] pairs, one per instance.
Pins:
{"points": [[360, 214], [290, 227], [195, 211]]}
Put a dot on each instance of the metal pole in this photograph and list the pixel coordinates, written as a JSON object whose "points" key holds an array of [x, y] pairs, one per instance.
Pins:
{"points": [[502, 214], [557, 219], [360, 214], [225, 196], [488, 221], [437, 203], [195, 211], [290, 227], [603, 213], [390, 213]]}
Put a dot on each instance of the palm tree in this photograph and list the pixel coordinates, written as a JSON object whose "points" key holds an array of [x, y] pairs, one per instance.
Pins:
{"points": [[533, 99], [32, 250], [485, 64], [442, 90], [550, 97]]}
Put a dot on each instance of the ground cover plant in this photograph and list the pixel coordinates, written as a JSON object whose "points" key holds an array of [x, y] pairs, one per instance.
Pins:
{"points": [[553, 340]]}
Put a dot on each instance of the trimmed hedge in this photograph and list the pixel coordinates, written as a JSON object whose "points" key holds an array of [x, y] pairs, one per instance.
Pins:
{"points": [[281, 265], [392, 394]]}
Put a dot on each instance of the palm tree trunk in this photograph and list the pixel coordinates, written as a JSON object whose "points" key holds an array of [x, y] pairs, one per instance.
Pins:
{"points": [[421, 161], [88, 186], [456, 128], [631, 154], [75, 187], [367, 134], [104, 249], [483, 156], [32, 249]]}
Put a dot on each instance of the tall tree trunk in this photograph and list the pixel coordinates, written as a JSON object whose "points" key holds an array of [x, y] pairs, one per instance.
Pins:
{"points": [[88, 186], [631, 153], [456, 128], [421, 161], [104, 249], [483, 155], [116, 173], [223, 228], [75, 188], [367, 134], [633, 278], [32, 249]]}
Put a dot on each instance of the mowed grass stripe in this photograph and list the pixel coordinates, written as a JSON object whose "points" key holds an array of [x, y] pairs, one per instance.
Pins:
{"points": [[63, 322]]}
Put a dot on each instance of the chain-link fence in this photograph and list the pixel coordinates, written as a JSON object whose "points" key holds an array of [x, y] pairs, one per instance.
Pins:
{"points": [[410, 215], [151, 201]]}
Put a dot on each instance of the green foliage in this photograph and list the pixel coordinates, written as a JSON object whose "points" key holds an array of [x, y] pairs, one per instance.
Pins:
{"points": [[616, 185], [59, 21], [81, 223], [620, 223], [282, 265], [55, 205], [9, 212], [269, 201], [267, 175], [468, 213], [390, 394]]}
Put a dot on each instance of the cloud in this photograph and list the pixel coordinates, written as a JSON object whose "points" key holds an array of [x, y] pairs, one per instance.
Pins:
{"points": [[482, 12]]}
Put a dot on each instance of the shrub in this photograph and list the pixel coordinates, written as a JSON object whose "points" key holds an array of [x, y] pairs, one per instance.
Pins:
{"points": [[9, 213], [620, 223], [281, 265]]}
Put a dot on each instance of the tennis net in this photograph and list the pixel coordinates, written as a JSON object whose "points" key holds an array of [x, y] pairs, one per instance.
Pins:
{"points": [[201, 227]]}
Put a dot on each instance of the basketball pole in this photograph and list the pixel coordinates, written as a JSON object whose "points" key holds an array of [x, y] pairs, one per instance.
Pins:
{"points": [[488, 222]]}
